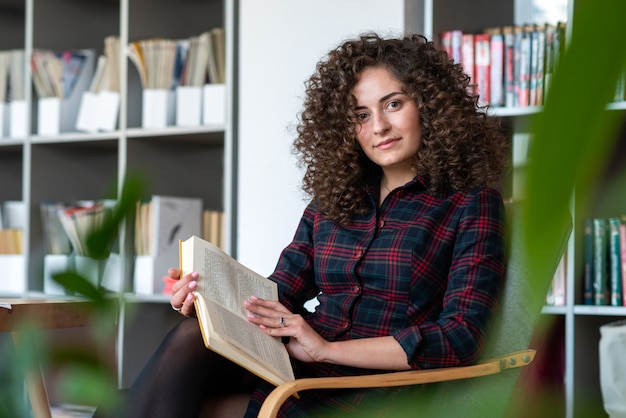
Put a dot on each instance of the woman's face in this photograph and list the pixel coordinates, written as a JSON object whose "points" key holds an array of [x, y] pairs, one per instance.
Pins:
{"points": [[390, 133]]}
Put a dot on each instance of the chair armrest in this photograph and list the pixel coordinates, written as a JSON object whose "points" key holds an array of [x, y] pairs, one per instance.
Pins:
{"points": [[275, 399]]}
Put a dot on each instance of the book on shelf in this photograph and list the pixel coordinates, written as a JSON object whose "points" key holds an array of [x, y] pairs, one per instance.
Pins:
{"points": [[600, 265], [588, 261], [18, 106], [5, 61], [522, 60], [60, 78], [79, 221], [160, 223], [154, 60], [213, 227], [217, 57], [55, 73], [17, 70], [174, 75], [482, 67], [11, 241], [99, 105], [509, 66], [622, 246], [496, 49], [550, 31], [66, 228], [468, 55], [615, 267], [56, 240], [524, 69], [12, 224], [604, 253], [537, 58], [223, 285]]}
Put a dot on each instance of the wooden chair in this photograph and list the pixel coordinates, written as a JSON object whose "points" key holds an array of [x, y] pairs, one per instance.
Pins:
{"points": [[485, 397]]}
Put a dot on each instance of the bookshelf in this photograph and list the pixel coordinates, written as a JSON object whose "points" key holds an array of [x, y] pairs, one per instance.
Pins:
{"points": [[183, 161]]}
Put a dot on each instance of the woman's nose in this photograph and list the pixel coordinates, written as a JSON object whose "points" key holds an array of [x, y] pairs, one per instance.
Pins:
{"points": [[381, 124]]}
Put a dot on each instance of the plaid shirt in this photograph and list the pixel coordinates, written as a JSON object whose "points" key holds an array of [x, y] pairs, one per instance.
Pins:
{"points": [[424, 268]]}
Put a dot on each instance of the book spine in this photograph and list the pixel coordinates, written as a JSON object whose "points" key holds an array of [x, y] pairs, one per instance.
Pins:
{"points": [[615, 268], [446, 42], [588, 259], [524, 68], [541, 55], [482, 67], [497, 70], [600, 243], [622, 246], [467, 56], [457, 40], [549, 58], [534, 66], [517, 64], [509, 67]]}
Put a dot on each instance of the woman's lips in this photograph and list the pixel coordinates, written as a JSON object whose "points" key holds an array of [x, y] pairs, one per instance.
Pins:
{"points": [[386, 144]]}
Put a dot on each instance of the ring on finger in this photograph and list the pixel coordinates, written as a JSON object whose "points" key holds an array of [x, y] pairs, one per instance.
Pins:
{"points": [[176, 309], [282, 322]]}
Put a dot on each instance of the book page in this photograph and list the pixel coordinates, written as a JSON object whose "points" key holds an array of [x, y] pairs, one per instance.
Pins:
{"points": [[223, 279], [267, 350]]}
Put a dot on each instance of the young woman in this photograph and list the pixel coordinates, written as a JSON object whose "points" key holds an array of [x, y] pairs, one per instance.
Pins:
{"points": [[402, 241]]}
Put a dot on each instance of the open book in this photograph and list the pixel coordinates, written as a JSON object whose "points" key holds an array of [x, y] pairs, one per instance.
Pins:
{"points": [[223, 285]]}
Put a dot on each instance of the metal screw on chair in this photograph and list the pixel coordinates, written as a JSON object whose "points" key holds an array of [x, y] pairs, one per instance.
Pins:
{"points": [[512, 361], [526, 358]]}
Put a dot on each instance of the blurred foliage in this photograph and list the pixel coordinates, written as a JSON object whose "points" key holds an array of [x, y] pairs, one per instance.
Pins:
{"points": [[83, 377]]}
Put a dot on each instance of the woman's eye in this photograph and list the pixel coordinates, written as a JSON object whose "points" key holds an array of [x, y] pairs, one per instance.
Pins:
{"points": [[361, 116], [393, 105]]}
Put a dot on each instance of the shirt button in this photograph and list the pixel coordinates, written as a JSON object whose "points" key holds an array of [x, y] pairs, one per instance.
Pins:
{"points": [[358, 253], [357, 289], [381, 223]]}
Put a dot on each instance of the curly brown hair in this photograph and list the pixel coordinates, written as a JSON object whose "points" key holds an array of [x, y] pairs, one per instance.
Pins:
{"points": [[461, 147]]}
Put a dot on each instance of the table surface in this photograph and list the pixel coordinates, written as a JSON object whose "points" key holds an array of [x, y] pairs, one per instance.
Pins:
{"points": [[43, 313]]}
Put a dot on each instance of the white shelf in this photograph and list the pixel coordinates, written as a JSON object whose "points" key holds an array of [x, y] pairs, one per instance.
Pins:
{"points": [[600, 310]]}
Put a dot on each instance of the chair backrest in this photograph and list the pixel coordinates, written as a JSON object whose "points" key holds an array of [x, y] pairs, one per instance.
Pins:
{"points": [[519, 309]]}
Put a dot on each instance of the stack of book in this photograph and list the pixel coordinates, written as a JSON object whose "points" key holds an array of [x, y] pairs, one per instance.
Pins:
{"points": [[12, 220], [60, 77], [509, 66], [12, 96], [99, 107], [12, 261], [605, 261], [66, 228], [192, 70]]}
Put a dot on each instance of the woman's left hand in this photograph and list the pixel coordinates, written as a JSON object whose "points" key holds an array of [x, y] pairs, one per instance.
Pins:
{"points": [[275, 319]]}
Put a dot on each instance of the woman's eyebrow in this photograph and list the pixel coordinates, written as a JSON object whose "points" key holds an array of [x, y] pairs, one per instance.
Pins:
{"points": [[382, 99]]}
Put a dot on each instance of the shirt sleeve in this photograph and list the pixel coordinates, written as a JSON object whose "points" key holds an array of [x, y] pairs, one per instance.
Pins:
{"points": [[294, 272], [457, 335]]}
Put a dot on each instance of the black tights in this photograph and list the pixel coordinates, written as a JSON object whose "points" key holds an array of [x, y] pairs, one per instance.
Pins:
{"points": [[180, 375]]}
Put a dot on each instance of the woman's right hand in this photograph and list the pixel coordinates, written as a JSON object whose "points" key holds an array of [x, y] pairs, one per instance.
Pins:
{"points": [[182, 291]]}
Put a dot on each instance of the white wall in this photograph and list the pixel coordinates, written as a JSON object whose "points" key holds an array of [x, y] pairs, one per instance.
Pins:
{"points": [[279, 45]]}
